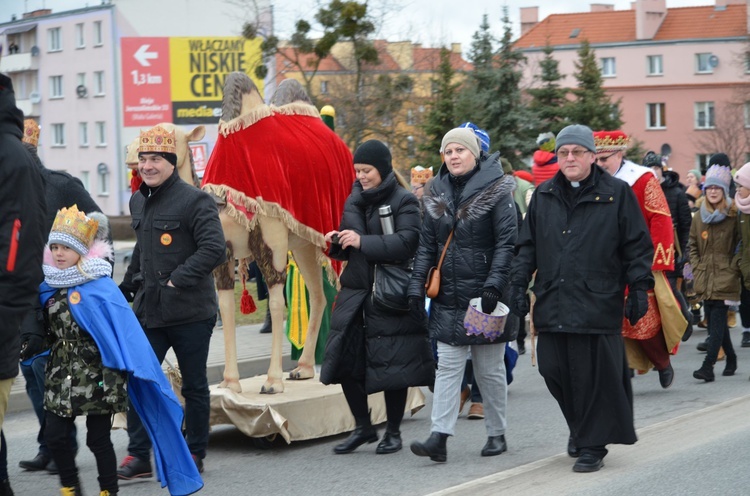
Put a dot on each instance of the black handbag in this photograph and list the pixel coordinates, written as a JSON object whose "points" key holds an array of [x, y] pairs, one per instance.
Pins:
{"points": [[389, 287]]}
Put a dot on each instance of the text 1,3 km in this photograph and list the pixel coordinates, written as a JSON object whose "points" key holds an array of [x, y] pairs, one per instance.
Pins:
{"points": [[140, 78]]}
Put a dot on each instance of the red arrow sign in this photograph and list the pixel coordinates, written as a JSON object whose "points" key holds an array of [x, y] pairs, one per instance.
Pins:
{"points": [[146, 86]]}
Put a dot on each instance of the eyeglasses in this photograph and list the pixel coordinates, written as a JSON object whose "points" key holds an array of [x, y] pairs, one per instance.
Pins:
{"points": [[577, 153], [605, 157]]}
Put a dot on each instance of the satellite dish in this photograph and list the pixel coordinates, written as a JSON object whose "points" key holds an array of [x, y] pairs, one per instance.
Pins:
{"points": [[713, 60], [34, 51], [666, 149], [35, 97], [81, 91]]}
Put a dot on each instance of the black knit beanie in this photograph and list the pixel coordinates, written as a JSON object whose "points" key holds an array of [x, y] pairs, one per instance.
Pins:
{"points": [[720, 159], [375, 153], [169, 157]]}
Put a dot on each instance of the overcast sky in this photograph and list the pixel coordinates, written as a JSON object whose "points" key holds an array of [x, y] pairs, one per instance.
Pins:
{"points": [[431, 22]]}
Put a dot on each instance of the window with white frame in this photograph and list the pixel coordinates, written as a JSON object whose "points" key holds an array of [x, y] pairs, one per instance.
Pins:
{"points": [[101, 133], [324, 87], [55, 86], [411, 147], [58, 134], [410, 120], [98, 40], [81, 79], [98, 83], [656, 116], [85, 180], [703, 63], [702, 161], [609, 68], [80, 38], [654, 65], [83, 134], [747, 114], [704, 115], [54, 39]]}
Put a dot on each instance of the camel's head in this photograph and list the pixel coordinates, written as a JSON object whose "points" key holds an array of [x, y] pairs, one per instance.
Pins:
{"points": [[241, 95]]}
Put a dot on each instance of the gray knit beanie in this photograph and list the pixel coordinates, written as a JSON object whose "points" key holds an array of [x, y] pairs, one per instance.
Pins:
{"points": [[576, 134], [462, 136]]}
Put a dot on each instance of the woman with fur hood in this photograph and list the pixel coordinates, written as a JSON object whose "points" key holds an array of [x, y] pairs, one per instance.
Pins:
{"points": [[472, 198], [98, 356]]}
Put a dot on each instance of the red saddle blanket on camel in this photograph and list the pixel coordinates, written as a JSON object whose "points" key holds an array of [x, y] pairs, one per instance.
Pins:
{"points": [[282, 162]]}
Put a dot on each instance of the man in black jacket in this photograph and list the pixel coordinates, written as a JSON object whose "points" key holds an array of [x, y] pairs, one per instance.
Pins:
{"points": [[586, 239], [179, 243], [22, 239]]}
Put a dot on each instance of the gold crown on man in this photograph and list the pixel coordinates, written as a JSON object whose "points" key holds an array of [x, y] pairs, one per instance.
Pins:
{"points": [[31, 132], [157, 140], [74, 229], [611, 141]]}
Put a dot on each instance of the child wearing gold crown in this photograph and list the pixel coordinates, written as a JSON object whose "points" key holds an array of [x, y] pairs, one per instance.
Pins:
{"points": [[99, 352]]}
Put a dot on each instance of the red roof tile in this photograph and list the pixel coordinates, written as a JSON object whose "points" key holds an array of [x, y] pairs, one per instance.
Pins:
{"points": [[428, 60], [618, 26]]}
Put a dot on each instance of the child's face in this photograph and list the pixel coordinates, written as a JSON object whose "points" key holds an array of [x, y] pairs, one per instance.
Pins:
{"points": [[63, 256]]}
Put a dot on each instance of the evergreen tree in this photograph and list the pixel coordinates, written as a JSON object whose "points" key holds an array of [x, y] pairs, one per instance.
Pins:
{"points": [[492, 97], [548, 100], [592, 106], [440, 118]]}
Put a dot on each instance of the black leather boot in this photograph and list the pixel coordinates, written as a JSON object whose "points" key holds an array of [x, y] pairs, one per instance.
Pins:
{"points": [[706, 372], [495, 446], [266, 329], [391, 442], [731, 367], [434, 447], [363, 433]]}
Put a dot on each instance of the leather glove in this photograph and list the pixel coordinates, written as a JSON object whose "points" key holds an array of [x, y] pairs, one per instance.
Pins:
{"points": [[519, 301], [636, 306], [32, 346], [416, 309], [489, 300], [127, 292]]}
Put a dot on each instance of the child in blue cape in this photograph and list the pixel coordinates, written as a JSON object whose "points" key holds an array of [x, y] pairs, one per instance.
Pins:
{"points": [[99, 356]]}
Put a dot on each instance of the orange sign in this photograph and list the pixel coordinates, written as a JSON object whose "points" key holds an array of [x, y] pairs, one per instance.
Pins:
{"points": [[75, 297], [166, 239]]}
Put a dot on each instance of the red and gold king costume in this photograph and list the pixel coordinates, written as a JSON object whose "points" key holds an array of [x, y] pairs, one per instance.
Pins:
{"points": [[664, 312]]}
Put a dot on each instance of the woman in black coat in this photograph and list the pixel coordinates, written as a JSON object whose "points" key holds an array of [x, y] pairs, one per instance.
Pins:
{"points": [[370, 349], [473, 198]]}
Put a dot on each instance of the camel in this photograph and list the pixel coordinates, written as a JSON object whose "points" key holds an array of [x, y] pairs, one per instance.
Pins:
{"points": [[185, 166], [281, 178]]}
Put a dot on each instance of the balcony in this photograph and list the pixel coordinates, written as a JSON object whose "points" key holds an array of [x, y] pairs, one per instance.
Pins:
{"points": [[28, 107], [19, 62]]}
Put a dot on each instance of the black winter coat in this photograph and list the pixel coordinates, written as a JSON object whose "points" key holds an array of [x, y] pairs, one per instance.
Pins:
{"points": [[387, 350], [480, 253], [584, 254], [677, 200], [179, 239], [22, 234]]}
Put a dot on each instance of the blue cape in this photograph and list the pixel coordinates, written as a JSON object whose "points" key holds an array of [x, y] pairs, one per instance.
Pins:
{"points": [[105, 314]]}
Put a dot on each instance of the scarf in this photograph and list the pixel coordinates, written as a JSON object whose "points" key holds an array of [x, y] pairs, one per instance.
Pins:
{"points": [[714, 216], [91, 268], [743, 204]]}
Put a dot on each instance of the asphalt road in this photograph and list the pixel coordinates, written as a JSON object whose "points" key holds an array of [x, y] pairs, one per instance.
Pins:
{"points": [[694, 439]]}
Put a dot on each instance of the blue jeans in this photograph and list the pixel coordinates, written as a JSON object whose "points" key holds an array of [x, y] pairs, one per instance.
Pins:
{"points": [[190, 344], [34, 376]]}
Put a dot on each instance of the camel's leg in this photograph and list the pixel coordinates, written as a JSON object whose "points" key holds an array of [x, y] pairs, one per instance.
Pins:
{"points": [[310, 269], [270, 243], [224, 277]]}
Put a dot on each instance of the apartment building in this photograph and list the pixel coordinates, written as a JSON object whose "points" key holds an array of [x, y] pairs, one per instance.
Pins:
{"points": [[680, 74], [72, 72]]}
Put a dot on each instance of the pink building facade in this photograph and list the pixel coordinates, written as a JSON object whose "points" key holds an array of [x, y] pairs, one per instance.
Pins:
{"points": [[680, 74]]}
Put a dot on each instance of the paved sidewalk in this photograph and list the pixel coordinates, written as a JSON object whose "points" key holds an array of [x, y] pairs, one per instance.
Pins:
{"points": [[253, 356]]}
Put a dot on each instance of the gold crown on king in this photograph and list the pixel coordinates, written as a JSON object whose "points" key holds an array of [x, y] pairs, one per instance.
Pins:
{"points": [[421, 174], [31, 132], [157, 140], [73, 222]]}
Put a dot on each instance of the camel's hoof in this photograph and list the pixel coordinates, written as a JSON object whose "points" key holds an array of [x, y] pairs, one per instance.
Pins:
{"points": [[272, 388], [302, 373], [233, 386]]}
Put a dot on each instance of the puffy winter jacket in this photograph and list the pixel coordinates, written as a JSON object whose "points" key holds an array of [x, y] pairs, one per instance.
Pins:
{"points": [[479, 256]]}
